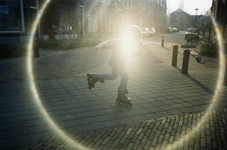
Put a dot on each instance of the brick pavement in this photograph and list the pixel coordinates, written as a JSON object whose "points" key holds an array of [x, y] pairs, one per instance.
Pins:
{"points": [[173, 132]]}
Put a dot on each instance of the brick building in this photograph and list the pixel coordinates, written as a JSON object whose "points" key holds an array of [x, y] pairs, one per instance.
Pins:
{"points": [[219, 11], [180, 19], [78, 18]]}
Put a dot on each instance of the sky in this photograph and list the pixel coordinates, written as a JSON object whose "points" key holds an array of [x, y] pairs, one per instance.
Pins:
{"points": [[189, 6]]}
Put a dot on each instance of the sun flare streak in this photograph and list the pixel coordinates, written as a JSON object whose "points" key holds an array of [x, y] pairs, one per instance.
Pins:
{"points": [[33, 85]]}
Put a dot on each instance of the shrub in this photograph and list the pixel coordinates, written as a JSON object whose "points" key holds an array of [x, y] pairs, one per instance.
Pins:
{"points": [[225, 47], [209, 49], [12, 50], [68, 44]]}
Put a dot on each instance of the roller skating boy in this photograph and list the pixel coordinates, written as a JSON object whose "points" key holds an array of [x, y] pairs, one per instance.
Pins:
{"points": [[122, 49]]}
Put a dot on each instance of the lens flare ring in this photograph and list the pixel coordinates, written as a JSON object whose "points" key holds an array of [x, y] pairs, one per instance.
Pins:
{"points": [[218, 89], [32, 84], [76, 145]]}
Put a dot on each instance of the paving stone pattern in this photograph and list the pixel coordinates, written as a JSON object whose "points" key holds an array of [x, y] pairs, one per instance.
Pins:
{"points": [[63, 64], [187, 132], [94, 119], [75, 109]]}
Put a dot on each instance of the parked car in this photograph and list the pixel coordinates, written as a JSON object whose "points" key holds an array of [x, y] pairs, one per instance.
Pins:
{"points": [[144, 32], [168, 29], [191, 33], [175, 29], [152, 31]]}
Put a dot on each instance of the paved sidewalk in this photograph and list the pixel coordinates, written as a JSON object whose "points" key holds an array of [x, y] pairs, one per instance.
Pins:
{"points": [[64, 64], [94, 119], [75, 109]]}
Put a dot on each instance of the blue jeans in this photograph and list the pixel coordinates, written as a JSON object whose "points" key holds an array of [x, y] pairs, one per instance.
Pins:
{"points": [[115, 72]]}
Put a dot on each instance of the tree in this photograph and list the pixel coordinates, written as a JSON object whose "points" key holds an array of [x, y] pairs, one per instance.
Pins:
{"points": [[181, 4]]}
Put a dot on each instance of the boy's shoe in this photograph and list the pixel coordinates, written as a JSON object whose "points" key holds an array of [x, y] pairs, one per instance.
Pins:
{"points": [[92, 79], [122, 98]]}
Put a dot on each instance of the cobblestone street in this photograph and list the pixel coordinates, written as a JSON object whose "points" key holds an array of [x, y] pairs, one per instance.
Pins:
{"points": [[173, 132]]}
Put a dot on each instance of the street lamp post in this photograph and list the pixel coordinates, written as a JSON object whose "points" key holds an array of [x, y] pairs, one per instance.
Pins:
{"points": [[196, 16], [196, 11]]}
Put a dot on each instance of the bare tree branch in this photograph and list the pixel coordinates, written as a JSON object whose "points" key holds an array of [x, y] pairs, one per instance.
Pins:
{"points": [[181, 4]]}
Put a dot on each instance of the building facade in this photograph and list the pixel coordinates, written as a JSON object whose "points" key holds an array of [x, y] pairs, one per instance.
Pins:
{"points": [[180, 19], [183, 20], [219, 11], [77, 18], [150, 13], [17, 18]]}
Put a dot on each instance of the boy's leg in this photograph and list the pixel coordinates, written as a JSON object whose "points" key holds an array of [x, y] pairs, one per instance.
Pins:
{"points": [[124, 79], [122, 90], [110, 76], [93, 78]]}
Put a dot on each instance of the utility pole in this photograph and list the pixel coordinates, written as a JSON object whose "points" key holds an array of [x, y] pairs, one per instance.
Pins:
{"points": [[196, 16]]}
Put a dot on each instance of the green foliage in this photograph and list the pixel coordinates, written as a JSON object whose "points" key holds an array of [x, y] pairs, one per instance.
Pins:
{"points": [[12, 50], [209, 49], [225, 47], [68, 44], [208, 45]]}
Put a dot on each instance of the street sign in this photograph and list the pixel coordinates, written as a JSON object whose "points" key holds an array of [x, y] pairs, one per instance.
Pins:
{"points": [[4, 9]]}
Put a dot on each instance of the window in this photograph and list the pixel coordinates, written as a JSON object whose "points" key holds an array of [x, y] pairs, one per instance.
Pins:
{"points": [[106, 1], [142, 7], [161, 2], [65, 14], [11, 15], [96, 19], [130, 4], [114, 23], [109, 21], [33, 3], [92, 20], [81, 20]]}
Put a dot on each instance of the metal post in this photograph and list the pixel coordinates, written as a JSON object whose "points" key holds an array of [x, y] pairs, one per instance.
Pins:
{"points": [[174, 57], [185, 61], [141, 41], [36, 48], [163, 41]]}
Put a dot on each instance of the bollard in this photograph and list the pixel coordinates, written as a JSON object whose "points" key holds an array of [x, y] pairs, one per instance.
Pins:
{"points": [[36, 48], [174, 56], [185, 61], [163, 41], [141, 41]]}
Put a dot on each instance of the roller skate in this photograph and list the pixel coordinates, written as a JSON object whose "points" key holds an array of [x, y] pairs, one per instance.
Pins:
{"points": [[122, 98], [92, 79]]}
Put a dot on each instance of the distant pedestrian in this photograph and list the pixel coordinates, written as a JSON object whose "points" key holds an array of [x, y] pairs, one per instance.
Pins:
{"points": [[122, 49]]}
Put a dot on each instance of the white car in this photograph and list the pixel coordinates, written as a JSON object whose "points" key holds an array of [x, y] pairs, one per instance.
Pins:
{"points": [[191, 33], [152, 31], [144, 32]]}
